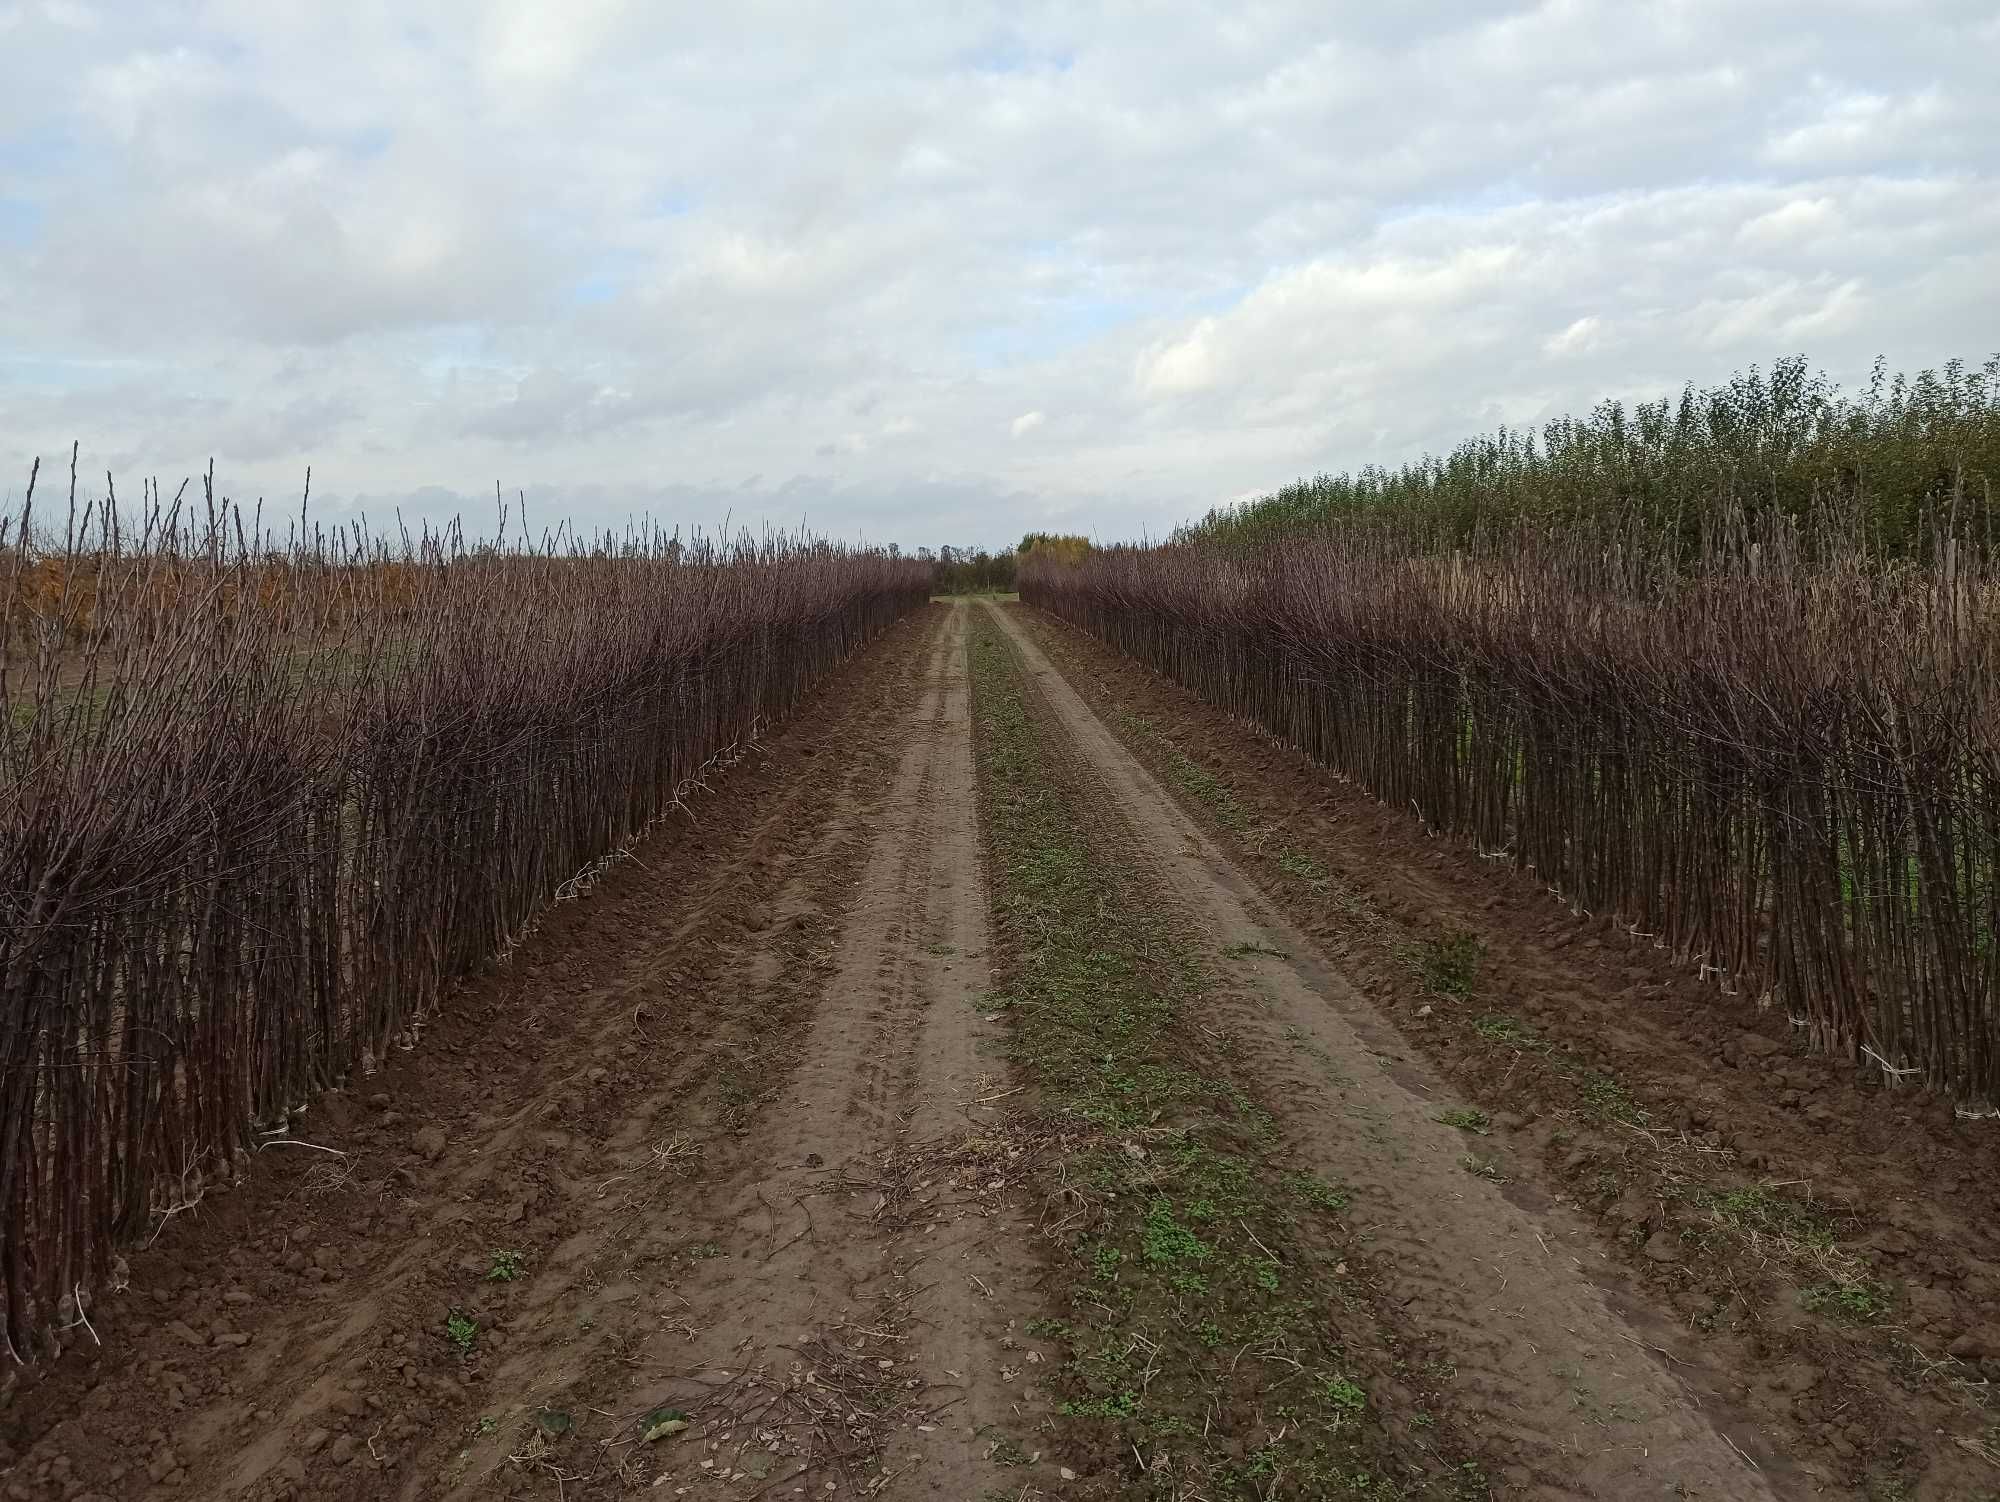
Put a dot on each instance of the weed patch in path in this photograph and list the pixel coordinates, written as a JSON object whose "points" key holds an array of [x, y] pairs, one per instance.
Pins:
{"points": [[1213, 1332]]}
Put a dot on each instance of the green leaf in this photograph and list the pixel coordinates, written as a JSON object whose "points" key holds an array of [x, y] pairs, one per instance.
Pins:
{"points": [[662, 1422]]}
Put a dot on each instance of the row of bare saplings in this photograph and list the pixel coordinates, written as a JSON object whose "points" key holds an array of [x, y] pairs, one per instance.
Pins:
{"points": [[1776, 758], [251, 828]]}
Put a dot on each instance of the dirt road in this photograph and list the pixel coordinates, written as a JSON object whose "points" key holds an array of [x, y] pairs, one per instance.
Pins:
{"points": [[751, 1174]]}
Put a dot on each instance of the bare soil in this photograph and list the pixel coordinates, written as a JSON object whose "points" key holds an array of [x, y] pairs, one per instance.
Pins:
{"points": [[731, 1182]]}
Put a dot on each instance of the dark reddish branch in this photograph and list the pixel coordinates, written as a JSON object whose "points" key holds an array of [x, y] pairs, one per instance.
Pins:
{"points": [[1779, 757], [259, 806]]}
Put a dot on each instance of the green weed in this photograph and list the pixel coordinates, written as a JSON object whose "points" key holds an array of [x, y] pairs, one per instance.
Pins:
{"points": [[1343, 1395], [1855, 1303], [1118, 1405], [1318, 1193], [1755, 1210], [1007, 1452], [1450, 965], [1303, 868], [1607, 1098], [1500, 1028], [1165, 1239]]}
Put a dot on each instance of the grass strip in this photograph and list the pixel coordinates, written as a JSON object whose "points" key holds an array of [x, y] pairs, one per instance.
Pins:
{"points": [[1204, 1282]]}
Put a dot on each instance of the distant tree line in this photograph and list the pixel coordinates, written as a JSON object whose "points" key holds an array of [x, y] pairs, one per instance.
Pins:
{"points": [[976, 571]]}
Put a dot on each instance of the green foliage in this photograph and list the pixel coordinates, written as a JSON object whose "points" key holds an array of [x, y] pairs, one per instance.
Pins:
{"points": [[1343, 1394], [1609, 1099], [506, 1266], [1858, 1303], [1050, 547], [1165, 1239], [1204, 786], [460, 1331], [1451, 965], [1467, 1120], [1007, 1451], [1303, 867], [1118, 1405], [971, 571], [1787, 442], [1504, 1029], [1318, 1193]]}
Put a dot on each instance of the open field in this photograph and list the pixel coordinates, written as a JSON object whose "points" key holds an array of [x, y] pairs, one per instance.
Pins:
{"points": [[1015, 1078]]}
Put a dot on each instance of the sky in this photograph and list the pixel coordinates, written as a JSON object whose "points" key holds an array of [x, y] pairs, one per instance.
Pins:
{"points": [[924, 274]]}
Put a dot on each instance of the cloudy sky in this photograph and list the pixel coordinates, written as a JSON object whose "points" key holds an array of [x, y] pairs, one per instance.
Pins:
{"points": [[928, 273]]}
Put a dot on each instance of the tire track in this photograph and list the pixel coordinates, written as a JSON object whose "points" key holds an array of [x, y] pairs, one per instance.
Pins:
{"points": [[1544, 1360], [857, 1248]]}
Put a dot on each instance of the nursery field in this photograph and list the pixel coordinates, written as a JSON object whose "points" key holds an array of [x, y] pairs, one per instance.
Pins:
{"points": [[1423, 986], [1014, 1077]]}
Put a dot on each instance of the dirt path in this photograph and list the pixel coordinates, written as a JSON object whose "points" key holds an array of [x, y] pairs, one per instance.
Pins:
{"points": [[1569, 1381], [858, 1295]]}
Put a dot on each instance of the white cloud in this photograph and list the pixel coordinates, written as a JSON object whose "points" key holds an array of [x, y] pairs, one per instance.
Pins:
{"points": [[69, 14], [1582, 336], [1796, 222], [1858, 130], [1180, 366], [625, 256], [1785, 314], [538, 45]]}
